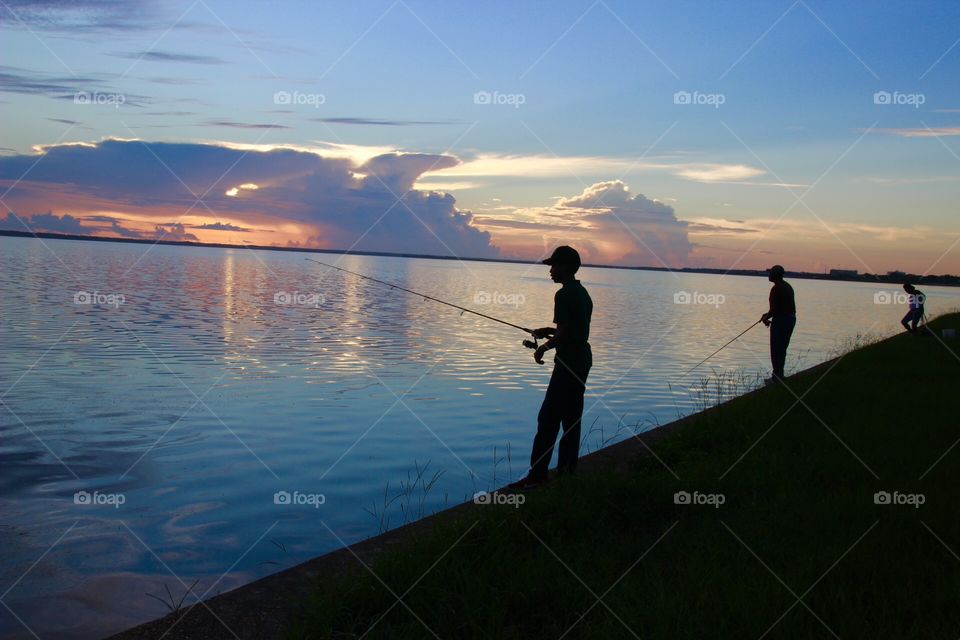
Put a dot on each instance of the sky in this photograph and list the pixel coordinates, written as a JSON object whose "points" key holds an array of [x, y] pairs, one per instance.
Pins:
{"points": [[729, 135]]}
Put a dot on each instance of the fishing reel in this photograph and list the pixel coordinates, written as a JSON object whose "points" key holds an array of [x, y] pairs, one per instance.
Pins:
{"points": [[533, 344]]}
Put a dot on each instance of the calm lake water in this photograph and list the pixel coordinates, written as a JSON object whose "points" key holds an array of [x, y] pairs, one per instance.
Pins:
{"points": [[158, 402]]}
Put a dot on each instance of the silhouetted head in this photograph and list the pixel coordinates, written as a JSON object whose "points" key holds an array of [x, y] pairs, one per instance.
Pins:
{"points": [[564, 262], [775, 273], [909, 288]]}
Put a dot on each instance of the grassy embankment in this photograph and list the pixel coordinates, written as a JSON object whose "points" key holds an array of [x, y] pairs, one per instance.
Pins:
{"points": [[798, 549]]}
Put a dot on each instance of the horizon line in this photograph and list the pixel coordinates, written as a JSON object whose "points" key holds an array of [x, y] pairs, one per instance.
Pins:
{"points": [[858, 277]]}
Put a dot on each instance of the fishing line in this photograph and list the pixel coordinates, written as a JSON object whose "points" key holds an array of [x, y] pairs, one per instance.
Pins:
{"points": [[721, 348], [427, 297]]}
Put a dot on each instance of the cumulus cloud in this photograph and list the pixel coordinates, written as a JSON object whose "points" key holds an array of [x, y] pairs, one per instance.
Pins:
{"points": [[173, 232], [398, 171], [333, 202], [606, 222], [221, 226], [48, 222], [97, 226], [649, 230], [116, 227]]}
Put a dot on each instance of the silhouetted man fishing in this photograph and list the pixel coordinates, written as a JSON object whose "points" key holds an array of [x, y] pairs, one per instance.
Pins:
{"points": [[916, 300], [563, 403], [781, 318]]}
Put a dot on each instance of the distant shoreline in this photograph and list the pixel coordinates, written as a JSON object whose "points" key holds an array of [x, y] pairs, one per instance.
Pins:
{"points": [[941, 280]]}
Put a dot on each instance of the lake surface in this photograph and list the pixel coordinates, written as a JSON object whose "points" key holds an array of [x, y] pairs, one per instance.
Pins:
{"points": [[176, 414]]}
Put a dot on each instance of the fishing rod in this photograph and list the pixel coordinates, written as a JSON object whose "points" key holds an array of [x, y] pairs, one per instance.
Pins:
{"points": [[527, 343], [721, 348], [531, 344]]}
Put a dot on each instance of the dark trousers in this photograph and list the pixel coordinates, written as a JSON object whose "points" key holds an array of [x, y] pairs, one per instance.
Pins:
{"points": [[562, 405], [912, 319], [781, 328]]}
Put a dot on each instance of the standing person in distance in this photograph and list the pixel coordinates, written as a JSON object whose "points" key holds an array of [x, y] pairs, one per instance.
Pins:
{"points": [[781, 318], [916, 299]]}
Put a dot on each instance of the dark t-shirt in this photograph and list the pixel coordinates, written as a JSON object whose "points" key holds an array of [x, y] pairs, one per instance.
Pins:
{"points": [[572, 307], [781, 300], [917, 299]]}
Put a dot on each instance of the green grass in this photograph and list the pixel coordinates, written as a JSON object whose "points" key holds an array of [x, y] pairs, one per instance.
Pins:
{"points": [[799, 495]]}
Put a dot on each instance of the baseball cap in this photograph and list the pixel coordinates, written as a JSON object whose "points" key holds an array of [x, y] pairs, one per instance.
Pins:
{"points": [[564, 255]]}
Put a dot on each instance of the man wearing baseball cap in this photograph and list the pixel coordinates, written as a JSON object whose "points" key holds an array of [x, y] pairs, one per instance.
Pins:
{"points": [[563, 403], [781, 318]]}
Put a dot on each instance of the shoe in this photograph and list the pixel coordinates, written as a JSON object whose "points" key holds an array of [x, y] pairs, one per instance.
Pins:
{"points": [[773, 380], [526, 483]]}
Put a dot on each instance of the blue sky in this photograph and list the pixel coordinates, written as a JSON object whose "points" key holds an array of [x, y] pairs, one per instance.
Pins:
{"points": [[591, 93]]}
